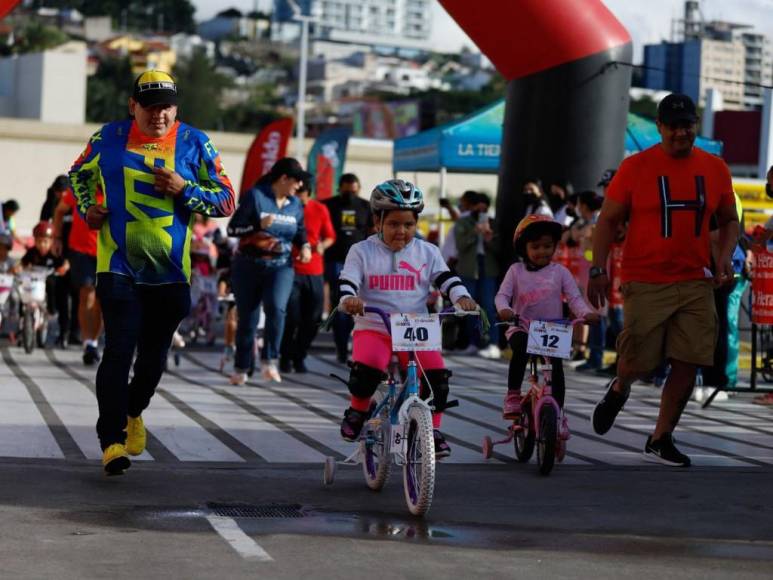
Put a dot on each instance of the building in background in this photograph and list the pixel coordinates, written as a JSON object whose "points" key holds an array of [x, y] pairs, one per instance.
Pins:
{"points": [[390, 23], [143, 53], [185, 45], [725, 56], [46, 86], [233, 24]]}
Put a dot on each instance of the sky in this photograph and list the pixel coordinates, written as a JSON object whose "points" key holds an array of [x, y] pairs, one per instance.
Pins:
{"points": [[648, 22]]}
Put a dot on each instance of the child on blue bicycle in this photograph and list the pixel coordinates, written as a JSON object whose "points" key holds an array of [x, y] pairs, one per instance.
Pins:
{"points": [[534, 289], [393, 271]]}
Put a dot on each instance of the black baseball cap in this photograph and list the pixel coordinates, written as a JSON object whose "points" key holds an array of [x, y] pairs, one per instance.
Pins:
{"points": [[677, 107], [155, 87]]}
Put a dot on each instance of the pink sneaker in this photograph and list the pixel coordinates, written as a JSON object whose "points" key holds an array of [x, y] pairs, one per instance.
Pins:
{"points": [[512, 408]]}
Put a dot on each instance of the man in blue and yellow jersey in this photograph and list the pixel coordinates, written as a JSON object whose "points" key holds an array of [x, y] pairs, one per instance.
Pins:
{"points": [[155, 173]]}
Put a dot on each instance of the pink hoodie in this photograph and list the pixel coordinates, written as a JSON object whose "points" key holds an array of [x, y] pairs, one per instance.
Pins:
{"points": [[538, 295]]}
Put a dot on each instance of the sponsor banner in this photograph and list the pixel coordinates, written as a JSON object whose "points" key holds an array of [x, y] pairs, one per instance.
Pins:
{"points": [[326, 161], [378, 120], [762, 288], [268, 147]]}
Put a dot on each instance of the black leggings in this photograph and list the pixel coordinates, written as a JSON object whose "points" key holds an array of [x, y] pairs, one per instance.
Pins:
{"points": [[520, 360]]}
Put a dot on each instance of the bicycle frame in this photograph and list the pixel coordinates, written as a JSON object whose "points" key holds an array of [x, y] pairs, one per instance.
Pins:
{"points": [[539, 396], [399, 400]]}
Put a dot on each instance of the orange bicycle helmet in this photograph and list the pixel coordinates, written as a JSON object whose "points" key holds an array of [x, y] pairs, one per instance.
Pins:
{"points": [[532, 227]]}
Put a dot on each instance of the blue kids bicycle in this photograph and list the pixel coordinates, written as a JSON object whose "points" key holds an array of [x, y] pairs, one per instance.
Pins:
{"points": [[399, 430]]}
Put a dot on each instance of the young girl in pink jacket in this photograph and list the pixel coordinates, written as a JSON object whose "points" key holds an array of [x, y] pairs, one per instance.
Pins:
{"points": [[535, 290]]}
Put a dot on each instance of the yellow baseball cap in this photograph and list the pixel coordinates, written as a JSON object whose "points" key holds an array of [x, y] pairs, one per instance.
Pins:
{"points": [[155, 87]]}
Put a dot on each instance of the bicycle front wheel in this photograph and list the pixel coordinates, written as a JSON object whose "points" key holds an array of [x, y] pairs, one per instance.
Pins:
{"points": [[548, 439], [42, 334], [419, 468], [28, 331], [376, 459]]}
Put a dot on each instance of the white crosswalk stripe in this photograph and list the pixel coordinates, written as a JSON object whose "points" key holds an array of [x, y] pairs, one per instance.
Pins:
{"points": [[48, 411]]}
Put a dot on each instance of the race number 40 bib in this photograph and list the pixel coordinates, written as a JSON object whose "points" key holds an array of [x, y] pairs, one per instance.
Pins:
{"points": [[415, 332], [549, 339]]}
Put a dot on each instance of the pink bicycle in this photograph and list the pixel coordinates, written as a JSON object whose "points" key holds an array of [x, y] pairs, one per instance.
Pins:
{"points": [[542, 422]]}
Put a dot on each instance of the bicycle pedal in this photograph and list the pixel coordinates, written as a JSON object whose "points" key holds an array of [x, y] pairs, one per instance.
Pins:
{"points": [[451, 404]]}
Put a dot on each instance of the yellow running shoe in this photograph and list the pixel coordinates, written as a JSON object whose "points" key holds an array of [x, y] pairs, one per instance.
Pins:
{"points": [[136, 439], [115, 460]]}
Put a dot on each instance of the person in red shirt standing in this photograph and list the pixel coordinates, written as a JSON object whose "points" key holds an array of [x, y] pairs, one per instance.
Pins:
{"points": [[304, 309], [669, 194], [82, 254]]}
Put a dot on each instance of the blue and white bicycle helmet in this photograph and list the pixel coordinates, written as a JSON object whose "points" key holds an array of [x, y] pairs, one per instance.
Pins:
{"points": [[396, 194]]}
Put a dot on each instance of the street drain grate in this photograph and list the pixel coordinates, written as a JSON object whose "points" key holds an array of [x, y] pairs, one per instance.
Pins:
{"points": [[258, 511]]}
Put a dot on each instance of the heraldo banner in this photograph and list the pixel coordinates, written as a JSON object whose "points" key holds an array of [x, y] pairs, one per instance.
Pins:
{"points": [[762, 288], [326, 161], [268, 147]]}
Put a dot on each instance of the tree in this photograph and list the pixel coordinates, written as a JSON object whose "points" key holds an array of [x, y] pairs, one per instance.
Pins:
{"points": [[200, 87], [645, 107], [439, 107], [150, 15], [259, 110], [35, 37], [108, 91]]}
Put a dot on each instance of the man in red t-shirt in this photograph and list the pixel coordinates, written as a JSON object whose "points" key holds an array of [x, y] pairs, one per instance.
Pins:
{"points": [[304, 309], [669, 193], [82, 255]]}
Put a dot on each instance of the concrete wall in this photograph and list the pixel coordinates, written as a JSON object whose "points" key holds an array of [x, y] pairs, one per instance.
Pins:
{"points": [[34, 153]]}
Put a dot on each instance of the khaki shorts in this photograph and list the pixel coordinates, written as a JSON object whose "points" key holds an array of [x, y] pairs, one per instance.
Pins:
{"points": [[667, 321]]}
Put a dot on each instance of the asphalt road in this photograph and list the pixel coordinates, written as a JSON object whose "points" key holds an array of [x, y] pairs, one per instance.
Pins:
{"points": [[222, 458]]}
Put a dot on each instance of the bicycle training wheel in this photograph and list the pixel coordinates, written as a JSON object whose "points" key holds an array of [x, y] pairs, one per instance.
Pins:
{"points": [[524, 438], [419, 468], [548, 439], [376, 459]]}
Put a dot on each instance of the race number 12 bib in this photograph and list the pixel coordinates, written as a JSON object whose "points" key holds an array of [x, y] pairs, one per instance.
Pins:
{"points": [[549, 339], [415, 332]]}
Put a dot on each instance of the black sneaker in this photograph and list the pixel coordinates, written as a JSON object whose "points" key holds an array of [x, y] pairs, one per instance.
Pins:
{"points": [[352, 424], [341, 355], [90, 355], [606, 410], [285, 366], [664, 451], [300, 366], [442, 448]]}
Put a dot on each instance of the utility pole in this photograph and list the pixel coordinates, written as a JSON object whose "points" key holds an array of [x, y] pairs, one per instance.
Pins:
{"points": [[303, 66]]}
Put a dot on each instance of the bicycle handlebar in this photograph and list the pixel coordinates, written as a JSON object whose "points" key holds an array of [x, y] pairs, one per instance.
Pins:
{"points": [[385, 317], [518, 320]]}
